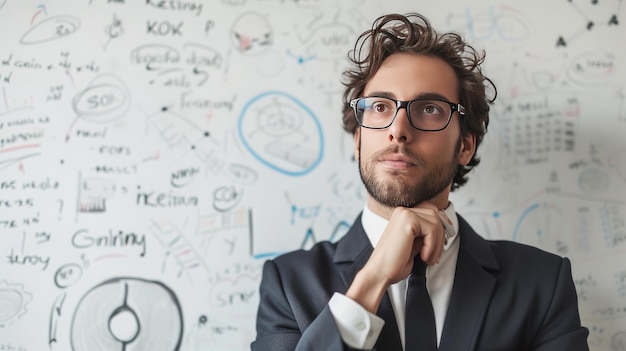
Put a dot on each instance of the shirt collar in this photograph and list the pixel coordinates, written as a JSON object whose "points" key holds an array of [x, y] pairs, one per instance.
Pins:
{"points": [[374, 225]]}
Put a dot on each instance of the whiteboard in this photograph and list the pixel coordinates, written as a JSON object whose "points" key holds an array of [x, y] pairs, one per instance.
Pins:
{"points": [[153, 154]]}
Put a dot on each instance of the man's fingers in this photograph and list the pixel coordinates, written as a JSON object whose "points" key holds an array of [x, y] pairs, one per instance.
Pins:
{"points": [[433, 236]]}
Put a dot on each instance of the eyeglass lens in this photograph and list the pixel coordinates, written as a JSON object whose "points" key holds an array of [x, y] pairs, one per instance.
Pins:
{"points": [[377, 112]]}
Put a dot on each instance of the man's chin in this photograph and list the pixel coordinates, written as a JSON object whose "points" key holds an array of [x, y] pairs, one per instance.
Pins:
{"points": [[395, 193], [392, 203]]}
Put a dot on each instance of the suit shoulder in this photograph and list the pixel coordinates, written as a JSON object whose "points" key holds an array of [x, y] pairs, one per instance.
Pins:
{"points": [[516, 249], [526, 259]]}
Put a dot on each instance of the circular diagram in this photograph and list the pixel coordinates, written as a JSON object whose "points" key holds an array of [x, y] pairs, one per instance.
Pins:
{"points": [[127, 314], [282, 133], [13, 302]]}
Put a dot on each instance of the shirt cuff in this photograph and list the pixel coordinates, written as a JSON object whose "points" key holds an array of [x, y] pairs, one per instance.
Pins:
{"points": [[358, 327]]}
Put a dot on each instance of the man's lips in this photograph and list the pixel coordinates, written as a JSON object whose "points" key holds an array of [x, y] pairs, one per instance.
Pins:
{"points": [[397, 161], [398, 158]]}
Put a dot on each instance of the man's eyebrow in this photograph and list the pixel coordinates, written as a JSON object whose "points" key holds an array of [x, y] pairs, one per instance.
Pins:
{"points": [[427, 95], [382, 94]]}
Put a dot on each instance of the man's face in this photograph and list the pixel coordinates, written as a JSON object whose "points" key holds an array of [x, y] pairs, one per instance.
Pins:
{"points": [[403, 166]]}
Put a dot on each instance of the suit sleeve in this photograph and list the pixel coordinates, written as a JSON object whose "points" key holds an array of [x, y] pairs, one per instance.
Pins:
{"points": [[277, 327], [561, 329]]}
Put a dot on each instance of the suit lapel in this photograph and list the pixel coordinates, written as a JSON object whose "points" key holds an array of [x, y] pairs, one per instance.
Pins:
{"points": [[471, 293], [353, 251]]}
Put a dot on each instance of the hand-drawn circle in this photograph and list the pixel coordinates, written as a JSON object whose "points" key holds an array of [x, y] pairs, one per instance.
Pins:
{"points": [[105, 99], [13, 301], [280, 151], [591, 68], [50, 29], [124, 325], [67, 275], [202, 319], [593, 180], [329, 41], [226, 198], [157, 314], [251, 34], [618, 341]]}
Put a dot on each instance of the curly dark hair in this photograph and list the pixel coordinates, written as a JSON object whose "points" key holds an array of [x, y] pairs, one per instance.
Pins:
{"points": [[413, 33]]}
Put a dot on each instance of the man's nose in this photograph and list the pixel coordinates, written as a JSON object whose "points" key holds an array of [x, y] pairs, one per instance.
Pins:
{"points": [[400, 129]]}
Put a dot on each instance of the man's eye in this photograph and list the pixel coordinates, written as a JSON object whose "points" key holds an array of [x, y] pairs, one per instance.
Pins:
{"points": [[432, 109], [381, 108]]}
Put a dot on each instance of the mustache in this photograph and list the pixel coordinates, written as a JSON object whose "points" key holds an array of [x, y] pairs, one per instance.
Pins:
{"points": [[398, 149]]}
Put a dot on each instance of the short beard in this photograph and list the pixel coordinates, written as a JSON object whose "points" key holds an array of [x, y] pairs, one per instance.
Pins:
{"points": [[393, 193]]}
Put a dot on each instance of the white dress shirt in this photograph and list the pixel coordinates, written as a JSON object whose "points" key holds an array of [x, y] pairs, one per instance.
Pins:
{"points": [[359, 328]]}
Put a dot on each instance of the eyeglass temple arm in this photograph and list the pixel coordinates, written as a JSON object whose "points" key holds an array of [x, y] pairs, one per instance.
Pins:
{"points": [[461, 109]]}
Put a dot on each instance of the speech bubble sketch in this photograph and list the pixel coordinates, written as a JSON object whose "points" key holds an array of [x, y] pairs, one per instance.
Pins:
{"points": [[52, 28]]}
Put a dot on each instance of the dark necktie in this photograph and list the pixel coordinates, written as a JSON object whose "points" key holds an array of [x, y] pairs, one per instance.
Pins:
{"points": [[420, 317]]}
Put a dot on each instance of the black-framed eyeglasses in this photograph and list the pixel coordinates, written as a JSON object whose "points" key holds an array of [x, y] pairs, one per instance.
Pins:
{"points": [[429, 115]]}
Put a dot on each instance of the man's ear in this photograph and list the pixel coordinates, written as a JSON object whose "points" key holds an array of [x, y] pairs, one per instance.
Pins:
{"points": [[467, 149], [357, 143]]}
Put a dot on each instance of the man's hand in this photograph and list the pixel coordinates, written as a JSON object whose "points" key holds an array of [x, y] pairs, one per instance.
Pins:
{"points": [[410, 232]]}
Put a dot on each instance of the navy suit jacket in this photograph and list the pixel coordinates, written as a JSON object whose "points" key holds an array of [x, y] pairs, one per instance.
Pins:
{"points": [[506, 296]]}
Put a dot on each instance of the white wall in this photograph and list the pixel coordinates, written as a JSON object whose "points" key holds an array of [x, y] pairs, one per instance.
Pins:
{"points": [[153, 158]]}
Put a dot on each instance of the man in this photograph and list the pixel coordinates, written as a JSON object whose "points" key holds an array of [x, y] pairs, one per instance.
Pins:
{"points": [[416, 104]]}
